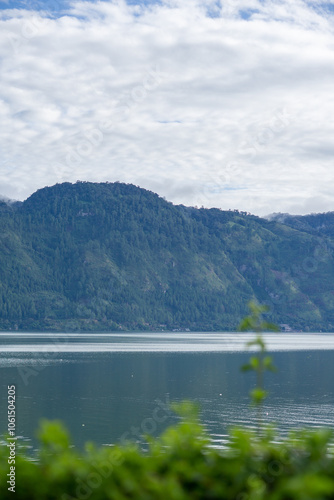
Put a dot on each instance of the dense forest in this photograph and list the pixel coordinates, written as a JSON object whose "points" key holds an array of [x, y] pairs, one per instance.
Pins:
{"points": [[113, 257]]}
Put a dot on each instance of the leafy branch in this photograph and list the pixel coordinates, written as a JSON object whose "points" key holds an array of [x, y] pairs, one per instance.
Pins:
{"points": [[260, 362]]}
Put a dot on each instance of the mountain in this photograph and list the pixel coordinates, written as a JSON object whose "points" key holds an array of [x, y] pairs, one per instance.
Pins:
{"points": [[7, 200], [317, 224], [114, 257]]}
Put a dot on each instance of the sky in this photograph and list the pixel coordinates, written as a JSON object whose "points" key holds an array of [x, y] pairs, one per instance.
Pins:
{"points": [[226, 104]]}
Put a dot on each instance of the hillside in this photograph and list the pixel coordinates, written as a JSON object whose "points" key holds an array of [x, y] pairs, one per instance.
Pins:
{"points": [[111, 256]]}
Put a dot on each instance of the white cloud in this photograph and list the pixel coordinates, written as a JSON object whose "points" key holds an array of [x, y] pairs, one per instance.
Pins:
{"points": [[222, 106]]}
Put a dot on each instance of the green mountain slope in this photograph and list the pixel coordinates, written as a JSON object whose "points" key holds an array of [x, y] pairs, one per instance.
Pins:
{"points": [[89, 256]]}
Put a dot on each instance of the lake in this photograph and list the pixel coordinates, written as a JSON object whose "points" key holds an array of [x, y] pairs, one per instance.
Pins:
{"points": [[110, 387]]}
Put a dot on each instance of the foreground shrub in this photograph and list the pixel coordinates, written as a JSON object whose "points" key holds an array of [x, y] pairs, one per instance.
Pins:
{"points": [[179, 465]]}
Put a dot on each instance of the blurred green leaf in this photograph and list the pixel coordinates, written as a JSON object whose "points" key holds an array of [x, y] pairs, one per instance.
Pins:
{"points": [[258, 395], [182, 464]]}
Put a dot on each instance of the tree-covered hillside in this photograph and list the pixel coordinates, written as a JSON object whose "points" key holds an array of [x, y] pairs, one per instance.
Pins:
{"points": [[112, 256]]}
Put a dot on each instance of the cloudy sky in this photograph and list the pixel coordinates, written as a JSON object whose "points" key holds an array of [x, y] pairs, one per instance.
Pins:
{"points": [[218, 103]]}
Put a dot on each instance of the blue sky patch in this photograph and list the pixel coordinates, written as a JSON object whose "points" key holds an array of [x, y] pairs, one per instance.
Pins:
{"points": [[214, 10], [55, 6], [247, 13]]}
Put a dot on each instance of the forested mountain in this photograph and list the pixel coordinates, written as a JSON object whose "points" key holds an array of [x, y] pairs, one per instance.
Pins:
{"points": [[318, 224], [113, 256]]}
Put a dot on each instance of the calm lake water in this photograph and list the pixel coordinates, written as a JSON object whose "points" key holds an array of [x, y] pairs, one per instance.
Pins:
{"points": [[109, 387]]}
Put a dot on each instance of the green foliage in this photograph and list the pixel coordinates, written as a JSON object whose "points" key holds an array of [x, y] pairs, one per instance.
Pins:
{"points": [[180, 465], [255, 323], [258, 363], [111, 256]]}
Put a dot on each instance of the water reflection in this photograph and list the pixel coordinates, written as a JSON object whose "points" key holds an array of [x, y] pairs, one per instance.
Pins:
{"points": [[153, 342], [105, 387]]}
